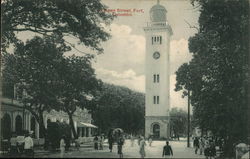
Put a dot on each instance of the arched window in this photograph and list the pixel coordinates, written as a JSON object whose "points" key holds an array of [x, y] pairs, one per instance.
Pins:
{"points": [[6, 126], [19, 125]]}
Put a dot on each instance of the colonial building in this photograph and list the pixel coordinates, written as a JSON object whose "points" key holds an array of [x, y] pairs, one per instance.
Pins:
{"points": [[15, 119], [158, 33]]}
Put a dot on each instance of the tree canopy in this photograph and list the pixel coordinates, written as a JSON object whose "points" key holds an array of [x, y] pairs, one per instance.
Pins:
{"points": [[121, 107], [33, 69], [78, 85], [217, 76], [178, 121], [46, 79], [76, 18]]}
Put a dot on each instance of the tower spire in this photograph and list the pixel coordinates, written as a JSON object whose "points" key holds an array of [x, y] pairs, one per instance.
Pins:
{"points": [[158, 1]]}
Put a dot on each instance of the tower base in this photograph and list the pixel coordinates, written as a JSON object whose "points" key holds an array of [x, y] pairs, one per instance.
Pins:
{"points": [[157, 126]]}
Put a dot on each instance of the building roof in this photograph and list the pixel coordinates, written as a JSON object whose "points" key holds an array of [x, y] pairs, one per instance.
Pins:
{"points": [[158, 13]]}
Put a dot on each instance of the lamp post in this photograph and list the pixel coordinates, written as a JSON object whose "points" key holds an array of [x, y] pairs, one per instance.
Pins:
{"points": [[188, 131]]}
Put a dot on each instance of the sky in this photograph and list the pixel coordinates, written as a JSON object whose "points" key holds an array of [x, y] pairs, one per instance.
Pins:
{"points": [[123, 60]]}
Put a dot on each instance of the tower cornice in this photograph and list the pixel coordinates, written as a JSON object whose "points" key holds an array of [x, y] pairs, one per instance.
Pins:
{"points": [[159, 28]]}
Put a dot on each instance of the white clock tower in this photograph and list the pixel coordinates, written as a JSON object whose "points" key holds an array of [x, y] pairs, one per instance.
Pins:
{"points": [[158, 33]]}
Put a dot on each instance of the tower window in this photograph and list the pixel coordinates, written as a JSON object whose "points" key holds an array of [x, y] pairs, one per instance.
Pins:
{"points": [[156, 78], [156, 99], [156, 40]]}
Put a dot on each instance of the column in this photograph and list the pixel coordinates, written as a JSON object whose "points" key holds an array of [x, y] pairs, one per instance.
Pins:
{"points": [[14, 122], [84, 131], [45, 121], [89, 132], [80, 132], [29, 121], [37, 130]]}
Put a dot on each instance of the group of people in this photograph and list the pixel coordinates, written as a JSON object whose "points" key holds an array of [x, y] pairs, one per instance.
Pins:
{"points": [[98, 142], [206, 146], [120, 139], [20, 145], [167, 149]]}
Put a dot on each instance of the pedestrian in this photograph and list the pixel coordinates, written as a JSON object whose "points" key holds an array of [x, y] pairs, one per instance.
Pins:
{"points": [[120, 143], [142, 147], [212, 150], [150, 140], [101, 141], [196, 144], [206, 148], [28, 145], [167, 150], [110, 139], [139, 139], [77, 143], [201, 145], [96, 142], [13, 145], [62, 146], [132, 139]]}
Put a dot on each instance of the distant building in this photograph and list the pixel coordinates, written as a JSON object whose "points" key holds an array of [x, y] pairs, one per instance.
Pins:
{"points": [[158, 33]]}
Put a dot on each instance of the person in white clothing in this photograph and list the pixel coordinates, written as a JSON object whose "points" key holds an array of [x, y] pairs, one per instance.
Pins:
{"points": [[28, 145], [142, 147], [62, 146]]}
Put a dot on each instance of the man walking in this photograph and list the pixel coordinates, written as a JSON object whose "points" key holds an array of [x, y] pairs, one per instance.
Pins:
{"points": [[167, 150], [196, 144], [120, 143], [110, 140], [201, 146]]}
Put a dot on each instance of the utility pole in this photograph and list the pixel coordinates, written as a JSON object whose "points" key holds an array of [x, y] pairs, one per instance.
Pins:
{"points": [[188, 131]]}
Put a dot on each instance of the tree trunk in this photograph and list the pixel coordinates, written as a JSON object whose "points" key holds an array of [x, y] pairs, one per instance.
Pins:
{"points": [[41, 125], [71, 122]]}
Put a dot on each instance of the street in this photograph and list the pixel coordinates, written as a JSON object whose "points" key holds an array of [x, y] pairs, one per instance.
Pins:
{"points": [[155, 151]]}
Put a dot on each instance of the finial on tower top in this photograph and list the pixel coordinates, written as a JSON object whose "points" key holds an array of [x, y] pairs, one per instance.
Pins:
{"points": [[158, 1]]}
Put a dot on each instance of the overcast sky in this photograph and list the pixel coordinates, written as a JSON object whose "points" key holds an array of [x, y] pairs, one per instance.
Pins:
{"points": [[122, 62]]}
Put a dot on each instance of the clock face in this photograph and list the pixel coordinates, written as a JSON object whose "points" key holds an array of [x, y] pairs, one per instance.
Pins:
{"points": [[156, 55]]}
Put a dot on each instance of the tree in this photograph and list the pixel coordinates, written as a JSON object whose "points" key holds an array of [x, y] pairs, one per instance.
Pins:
{"points": [[76, 18], [77, 85], [178, 120], [217, 75], [121, 107], [33, 68]]}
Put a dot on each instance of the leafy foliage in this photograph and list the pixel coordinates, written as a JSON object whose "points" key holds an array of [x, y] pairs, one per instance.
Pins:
{"points": [[121, 107], [48, 80], [217, 76], [33, 68], [78, 18], [77, 86], [178, 120]]}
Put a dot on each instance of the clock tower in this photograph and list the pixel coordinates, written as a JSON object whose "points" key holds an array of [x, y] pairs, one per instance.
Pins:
{"points": [[157, 104]]}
